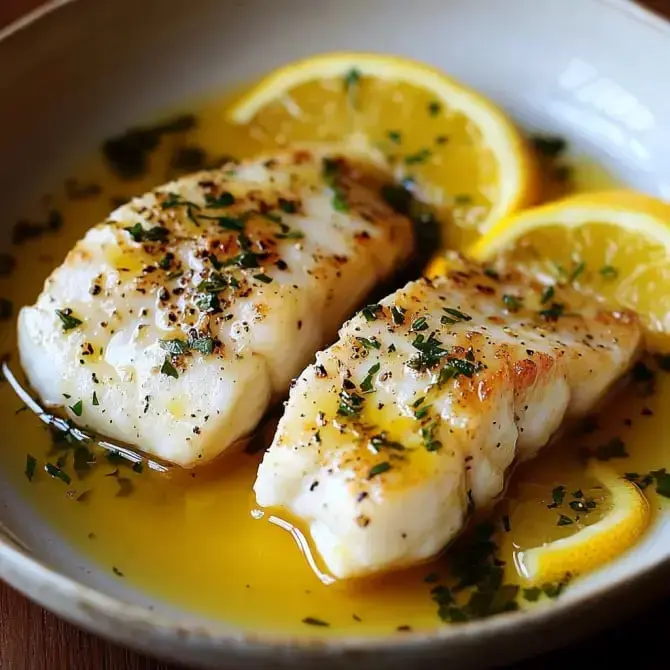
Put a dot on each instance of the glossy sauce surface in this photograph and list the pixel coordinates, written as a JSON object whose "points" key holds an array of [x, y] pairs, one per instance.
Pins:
{"points": [[195, 538]]}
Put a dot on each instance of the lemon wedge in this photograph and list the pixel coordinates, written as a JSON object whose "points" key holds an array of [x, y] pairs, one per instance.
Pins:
{"points": [[595, 545], [457, 150], [612, 244]]}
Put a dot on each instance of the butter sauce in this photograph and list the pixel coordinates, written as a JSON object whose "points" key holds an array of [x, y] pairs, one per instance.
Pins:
{"points": [[196, 538]]}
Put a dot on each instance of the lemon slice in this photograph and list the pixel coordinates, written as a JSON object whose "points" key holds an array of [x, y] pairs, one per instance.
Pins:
{"points": [[613, 244], [459, 151], [595, 545]]}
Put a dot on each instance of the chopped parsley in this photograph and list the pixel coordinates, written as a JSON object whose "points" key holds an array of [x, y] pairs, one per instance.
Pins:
{"points": [[430, 352], [577, 271], [512, 302], [165, 263], [67, 319], [246, 258], [554, 312], [140, 234], [31, 466], [564, 520], [558, 496], [208, 302], [263, 278], [398, 315], [313, 621], [287, 206], [533, 594], [428, 437], [235, 223], [216, 282], [168, 369], [418, 157], [434, 107], [419, 324], [379, 469], [421, 412], [547, 294], [127, 154], [351, 81], [463, 199], [369, 342], [370, 312], [77, 408], [550, 146], [225, 199], [381, 441], [613, 448], [174, 347], [456, 314], [608, 272], [330, 169], [350, 403], [57, 473], [455, 367], [366, 384], [204, 344], [290, 235], [395, 136]]}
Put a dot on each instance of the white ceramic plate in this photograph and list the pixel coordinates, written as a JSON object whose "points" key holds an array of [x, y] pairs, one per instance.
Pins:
{"points": [[591, 70]]}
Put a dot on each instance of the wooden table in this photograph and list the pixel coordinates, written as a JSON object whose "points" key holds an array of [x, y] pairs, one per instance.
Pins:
{"points": [[34, 639]]}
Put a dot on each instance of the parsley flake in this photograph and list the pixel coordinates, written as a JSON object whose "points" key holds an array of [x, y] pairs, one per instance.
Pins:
{"points": [[369, 343], [350, 403], [67, 319], [420, 156], [379, 469], [168, 369], [512, 302], [366, 384], [263, 278], [554, 312], [419, 324], [205, 344], [225, 199], [57, 473], [547, 294], [370, 312], [434, 107], [313, 621], [140, 234], [577, 271], [31, 466], [398, 315]]}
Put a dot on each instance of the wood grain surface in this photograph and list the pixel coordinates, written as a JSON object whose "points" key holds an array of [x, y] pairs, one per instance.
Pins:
{"points": [[33, 639]]}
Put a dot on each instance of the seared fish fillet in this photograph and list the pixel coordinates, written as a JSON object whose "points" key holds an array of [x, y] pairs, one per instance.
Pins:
{"points": [[414, 417], [174, 324]]}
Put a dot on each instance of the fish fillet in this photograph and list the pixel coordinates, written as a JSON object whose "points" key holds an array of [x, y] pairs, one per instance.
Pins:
{"points": [[175, 323], [414, 417]]}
